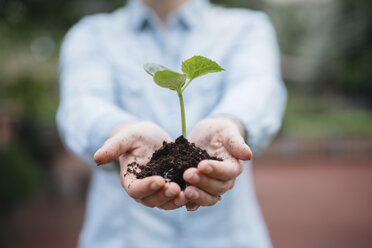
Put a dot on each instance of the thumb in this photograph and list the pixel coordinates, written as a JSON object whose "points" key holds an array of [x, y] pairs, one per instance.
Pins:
{"points": [[235, 145], [112, 149]]}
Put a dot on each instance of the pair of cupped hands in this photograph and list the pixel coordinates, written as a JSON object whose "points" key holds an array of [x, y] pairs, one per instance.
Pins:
{"points": [[136, 141]]}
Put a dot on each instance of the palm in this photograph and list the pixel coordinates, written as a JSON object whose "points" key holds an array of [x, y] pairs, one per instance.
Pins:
{"points": [[212, 139], [141, 152], [213, 146]]}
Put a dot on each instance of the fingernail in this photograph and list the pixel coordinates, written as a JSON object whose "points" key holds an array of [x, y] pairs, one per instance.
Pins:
{"points": [[168, 193], [154, 186], [193, 208], [194, 195], [208, 169], [195, 178]]}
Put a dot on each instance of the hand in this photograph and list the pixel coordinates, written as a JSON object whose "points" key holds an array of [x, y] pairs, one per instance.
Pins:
{"points": [[136, 142], [221, 137]]}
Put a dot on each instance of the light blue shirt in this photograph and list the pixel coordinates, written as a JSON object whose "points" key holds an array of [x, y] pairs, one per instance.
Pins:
{"points": [[103, 84]]}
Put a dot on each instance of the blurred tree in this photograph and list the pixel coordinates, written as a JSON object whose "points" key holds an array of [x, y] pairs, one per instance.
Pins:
{"points": [[19, 177], [52, 14], [349, 64], [64, 13], [251, 4]]}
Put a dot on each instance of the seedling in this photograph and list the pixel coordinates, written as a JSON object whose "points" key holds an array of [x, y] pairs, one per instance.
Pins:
{"points": [[192, 68]]}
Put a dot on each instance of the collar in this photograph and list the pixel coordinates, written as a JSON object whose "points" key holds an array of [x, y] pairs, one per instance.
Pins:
{"points": [[187, 16]]}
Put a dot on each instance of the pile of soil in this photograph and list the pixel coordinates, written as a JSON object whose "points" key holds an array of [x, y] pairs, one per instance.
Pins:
{"points": [[171, 160]]}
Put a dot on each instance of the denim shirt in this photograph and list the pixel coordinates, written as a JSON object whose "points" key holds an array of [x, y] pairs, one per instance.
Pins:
{"points": [[103, 84]]}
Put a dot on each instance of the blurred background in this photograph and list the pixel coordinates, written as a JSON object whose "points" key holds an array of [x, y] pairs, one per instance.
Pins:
{"points": [[314, 182]]}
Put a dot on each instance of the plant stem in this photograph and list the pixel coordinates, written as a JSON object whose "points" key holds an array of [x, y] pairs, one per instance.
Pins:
{"points": [[183, 118], [186, 85]]}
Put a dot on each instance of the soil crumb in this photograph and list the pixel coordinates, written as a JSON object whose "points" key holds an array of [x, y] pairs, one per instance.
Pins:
{"points": [[171, 160]]}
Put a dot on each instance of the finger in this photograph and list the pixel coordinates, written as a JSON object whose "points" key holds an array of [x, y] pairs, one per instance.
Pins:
{"points": [[169, 205], [178, 202], [181, 199], [221, 170], [235, 145], [200, 197], [112, 149], [141, 188], [167, 193], [192, 206], [210, 185]]}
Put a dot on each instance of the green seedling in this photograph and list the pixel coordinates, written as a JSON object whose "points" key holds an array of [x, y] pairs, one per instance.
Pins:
{"points": [[192, 68]]}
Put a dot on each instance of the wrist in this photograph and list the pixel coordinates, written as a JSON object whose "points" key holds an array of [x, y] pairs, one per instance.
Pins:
{"points": [[124, 127], [240, 127]]}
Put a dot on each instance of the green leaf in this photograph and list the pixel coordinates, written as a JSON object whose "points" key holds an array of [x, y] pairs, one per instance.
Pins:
{"points": [[152, 68], [170, 79], [198, 66]]}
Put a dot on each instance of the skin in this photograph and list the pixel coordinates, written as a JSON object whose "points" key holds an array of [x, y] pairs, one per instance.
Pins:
{"points": [[131, 142], [136, 141], [163, 8]]}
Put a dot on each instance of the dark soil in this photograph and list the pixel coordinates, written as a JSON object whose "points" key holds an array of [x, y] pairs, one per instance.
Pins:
{"points": [[171, 160]]}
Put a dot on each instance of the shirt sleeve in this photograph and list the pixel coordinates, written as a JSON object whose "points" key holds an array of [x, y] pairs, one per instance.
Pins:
{"points": [[88, 110], [255, 94]]}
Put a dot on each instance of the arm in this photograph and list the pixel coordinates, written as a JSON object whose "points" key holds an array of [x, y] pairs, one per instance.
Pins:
{"points": [[253, 103], [89, 117], [255, 94], [88, 111]]}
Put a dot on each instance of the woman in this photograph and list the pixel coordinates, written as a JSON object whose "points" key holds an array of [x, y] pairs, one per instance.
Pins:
{"points": [[109, 104]]}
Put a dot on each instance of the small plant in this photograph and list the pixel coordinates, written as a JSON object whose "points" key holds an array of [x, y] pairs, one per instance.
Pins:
{"points": [[192, 68]]}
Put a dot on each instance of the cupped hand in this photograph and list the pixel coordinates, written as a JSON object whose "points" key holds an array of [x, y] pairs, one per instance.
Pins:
{"points": [[221, 137], [136, 142]]}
